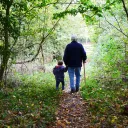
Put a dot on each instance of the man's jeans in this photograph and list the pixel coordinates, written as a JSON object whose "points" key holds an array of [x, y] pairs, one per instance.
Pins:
{"points": [[74, 71]]}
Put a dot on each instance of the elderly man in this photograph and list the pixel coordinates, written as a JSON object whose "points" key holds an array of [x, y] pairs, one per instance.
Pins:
{"points": [[73, 56]]}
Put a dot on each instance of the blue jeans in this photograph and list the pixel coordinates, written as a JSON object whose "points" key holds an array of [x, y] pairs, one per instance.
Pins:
{"points": [[72, 71], [58, 82]]}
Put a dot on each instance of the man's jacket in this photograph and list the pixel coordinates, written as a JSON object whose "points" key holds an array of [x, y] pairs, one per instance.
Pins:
{"points": [[58, 71], [74, 54]]}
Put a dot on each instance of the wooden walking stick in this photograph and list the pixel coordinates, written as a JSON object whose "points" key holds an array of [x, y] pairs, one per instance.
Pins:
{"points": [[84, 73]]}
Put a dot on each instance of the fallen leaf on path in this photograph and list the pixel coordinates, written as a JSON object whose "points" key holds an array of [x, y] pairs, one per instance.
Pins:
{"points": [[61, 124], [67, 122]]}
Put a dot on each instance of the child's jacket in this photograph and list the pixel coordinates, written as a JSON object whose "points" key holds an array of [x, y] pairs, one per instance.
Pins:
{"points": [[58, 71]]}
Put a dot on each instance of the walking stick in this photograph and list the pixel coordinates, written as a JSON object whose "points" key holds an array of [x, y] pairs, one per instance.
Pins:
{"points": [[84, 73]]}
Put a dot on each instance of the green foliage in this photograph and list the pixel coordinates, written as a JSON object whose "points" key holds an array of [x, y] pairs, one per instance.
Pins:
{"points": [[86, 8], [105, 103], [110, 57], [33, 103], [106, 82], [110, 52]]}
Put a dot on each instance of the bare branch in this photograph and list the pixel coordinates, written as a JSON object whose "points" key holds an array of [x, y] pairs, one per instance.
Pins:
{"points": [[115, 27], [117, 21], [22, 62], [100, 26]]}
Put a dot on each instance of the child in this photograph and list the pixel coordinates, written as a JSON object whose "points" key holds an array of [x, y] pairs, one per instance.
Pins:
{"points": [[58, 71]]}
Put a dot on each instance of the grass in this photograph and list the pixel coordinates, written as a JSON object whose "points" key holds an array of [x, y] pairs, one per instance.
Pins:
{"points": [[32, 104]]}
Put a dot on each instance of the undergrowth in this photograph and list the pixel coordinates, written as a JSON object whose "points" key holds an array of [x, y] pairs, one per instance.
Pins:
{"points": [[106, 103], [32, 104]]}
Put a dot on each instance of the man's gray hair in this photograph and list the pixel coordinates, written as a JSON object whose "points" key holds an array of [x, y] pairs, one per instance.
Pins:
{"points": [[73, 38]]}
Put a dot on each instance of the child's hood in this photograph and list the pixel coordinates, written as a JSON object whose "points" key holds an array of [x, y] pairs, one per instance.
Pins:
{"points": [[59, 66]]}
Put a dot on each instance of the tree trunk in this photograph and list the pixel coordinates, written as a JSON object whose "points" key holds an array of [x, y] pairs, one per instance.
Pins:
{"points": [[6, 52]]}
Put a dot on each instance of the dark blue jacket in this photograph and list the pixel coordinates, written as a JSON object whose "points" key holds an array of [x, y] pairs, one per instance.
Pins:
{"points": [[74, 54], [58, 71]]}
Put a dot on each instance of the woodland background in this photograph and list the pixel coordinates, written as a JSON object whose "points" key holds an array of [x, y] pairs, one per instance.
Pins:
{"points": [[33, 36]]}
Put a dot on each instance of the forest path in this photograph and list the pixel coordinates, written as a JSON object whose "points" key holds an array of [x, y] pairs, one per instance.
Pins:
{"points": [[73, 110]]}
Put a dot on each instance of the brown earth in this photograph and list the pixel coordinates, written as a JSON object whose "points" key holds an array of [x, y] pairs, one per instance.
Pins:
{"points": [[72, 112]]}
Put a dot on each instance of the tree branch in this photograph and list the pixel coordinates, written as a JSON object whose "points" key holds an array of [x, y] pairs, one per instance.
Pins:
{"points": [[125, 9], [43, 39], [57, 22], [115, 27], [22, 62], [102, 27], [116, 21], [47, 5], [60, 3]]}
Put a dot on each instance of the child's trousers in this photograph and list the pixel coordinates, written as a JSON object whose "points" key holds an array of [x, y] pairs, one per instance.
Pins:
{"points": [[58, 82]]}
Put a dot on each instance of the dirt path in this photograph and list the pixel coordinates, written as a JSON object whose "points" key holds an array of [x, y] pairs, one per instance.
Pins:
{"points": [[72, 112]]}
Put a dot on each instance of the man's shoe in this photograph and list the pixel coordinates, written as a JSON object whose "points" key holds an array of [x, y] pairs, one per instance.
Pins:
{"points": [[72, 90], [77, 89]]}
